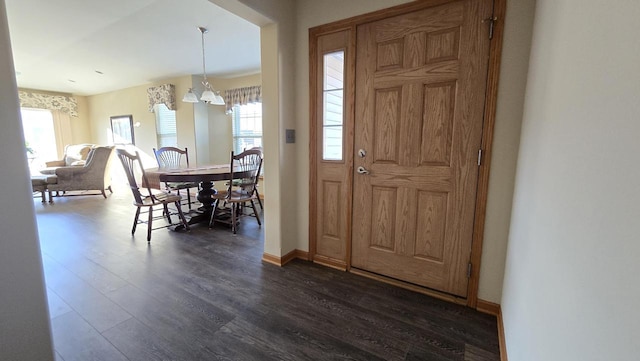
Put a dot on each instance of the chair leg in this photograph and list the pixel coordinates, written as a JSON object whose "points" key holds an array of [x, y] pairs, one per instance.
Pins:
{"points": [[213, 212], [149, 225], [50, 197], [233, 217], [255, 190], [166, 212], [181, 215], [110, 190], [189, 198], [135, 221], [253, 205], [104, 194]]}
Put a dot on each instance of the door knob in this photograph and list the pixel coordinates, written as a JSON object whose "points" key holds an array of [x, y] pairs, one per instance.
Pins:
{"points": [[362, 153], [362, 170]]}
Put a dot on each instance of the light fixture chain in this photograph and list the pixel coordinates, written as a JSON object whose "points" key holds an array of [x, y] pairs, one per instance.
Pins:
{"points": [[204, 69]]}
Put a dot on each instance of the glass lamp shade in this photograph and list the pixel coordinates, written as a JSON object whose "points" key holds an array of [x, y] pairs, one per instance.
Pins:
{"points": [[208, 96], [190, 97], [218, 100]]}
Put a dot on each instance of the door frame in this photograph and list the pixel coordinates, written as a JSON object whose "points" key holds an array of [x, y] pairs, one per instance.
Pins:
{"points": [[491, 98]]}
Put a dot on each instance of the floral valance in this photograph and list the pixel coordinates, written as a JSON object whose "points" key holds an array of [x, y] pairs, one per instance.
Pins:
{"points": [[163, 94], [242, 96], [50, 102]]}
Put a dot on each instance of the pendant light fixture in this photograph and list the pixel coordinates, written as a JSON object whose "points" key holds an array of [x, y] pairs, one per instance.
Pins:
{"points": [[208, 95]]}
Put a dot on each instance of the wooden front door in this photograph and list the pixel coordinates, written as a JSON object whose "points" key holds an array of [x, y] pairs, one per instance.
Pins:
{"points": [[420, 94]]}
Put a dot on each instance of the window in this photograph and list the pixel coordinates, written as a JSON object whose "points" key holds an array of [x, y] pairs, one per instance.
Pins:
{"points": [[39, 135], [247, 127], [332, 105], [166, 132], [122, 129]]}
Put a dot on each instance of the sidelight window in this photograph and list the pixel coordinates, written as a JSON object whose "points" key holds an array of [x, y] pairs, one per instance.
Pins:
{"points": [[333, 106]]}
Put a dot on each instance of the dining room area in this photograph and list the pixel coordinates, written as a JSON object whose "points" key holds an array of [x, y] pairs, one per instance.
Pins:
{"points": [[162, 186]]}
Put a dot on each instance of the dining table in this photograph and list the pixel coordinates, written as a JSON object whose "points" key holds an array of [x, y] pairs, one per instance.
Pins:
{"points": [[205, 176]]}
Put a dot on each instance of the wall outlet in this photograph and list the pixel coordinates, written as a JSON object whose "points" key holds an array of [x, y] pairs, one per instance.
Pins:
{"points": [[290, 135]]}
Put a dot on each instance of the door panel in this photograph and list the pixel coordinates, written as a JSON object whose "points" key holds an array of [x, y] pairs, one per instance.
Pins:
{"points": [[420, 90], [333, 149], [386, 125], [439, 101]]}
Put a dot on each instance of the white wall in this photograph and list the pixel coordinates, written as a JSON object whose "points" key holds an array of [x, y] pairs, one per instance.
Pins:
{"points": [[134, 101], [571, 290], [24, 318], [506, 137]]}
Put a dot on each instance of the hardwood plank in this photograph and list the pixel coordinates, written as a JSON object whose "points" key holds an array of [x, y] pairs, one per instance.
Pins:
{"points": [[293, 340], [168, 319], [420, 353], [100, 312], [456, 323], [473, 353], [75, 339], [57, 306], [57, 357], [97, 276], [139, 342]]}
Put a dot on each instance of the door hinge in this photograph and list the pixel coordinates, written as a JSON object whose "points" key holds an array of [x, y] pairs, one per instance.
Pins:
{"points": [[469, 270], [492, 21], [479, 156]]}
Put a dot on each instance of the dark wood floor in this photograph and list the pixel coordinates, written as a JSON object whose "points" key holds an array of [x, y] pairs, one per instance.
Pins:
{"points": [[206, 295]]}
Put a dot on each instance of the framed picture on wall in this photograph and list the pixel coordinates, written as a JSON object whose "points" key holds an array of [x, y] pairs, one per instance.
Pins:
{"points": [[122, 129]]}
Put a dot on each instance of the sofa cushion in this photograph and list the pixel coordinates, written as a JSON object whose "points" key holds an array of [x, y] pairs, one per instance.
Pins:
{"points": [[48, 170], [40, 180], [75, 153]]}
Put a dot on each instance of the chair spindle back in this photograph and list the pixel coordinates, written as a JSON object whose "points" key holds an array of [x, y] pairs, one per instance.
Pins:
{"points": [[171, 157], [129, 162], [250, 162]]}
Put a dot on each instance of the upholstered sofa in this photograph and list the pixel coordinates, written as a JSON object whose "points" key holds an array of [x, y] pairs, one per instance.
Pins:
{"points": [[74, 155], [94, 174]]}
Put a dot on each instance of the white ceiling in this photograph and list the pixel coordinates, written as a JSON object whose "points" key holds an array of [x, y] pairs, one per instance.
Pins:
{"points": [[132, 42]]}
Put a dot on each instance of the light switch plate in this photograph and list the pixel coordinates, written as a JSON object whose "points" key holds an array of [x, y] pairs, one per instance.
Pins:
{"points": [[290, 135]]}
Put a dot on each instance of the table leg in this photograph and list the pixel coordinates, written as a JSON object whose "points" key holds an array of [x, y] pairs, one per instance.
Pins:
{"points": [[205, 196], [203, 214]]}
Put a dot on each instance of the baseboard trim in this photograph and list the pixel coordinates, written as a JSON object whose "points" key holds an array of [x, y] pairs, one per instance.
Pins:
{"points": [[281, 261], [501, 339], [494, 309], [303, 255], [488, 307], [269, 258]]}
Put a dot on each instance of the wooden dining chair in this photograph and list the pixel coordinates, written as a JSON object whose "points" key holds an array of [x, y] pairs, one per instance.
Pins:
{"points": [[249, 163], [172, 158], [130, 163], [255, 188], [250, 184]]}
